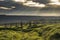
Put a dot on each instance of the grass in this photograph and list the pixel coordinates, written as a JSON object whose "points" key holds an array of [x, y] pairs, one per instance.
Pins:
{"points": [[37, 32]]}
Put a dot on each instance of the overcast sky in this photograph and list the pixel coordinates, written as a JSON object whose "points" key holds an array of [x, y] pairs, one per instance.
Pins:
{"points": [[26, 10]]}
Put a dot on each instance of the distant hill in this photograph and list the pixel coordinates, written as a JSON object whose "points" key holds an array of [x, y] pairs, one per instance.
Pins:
{"points": [[16, 19]]}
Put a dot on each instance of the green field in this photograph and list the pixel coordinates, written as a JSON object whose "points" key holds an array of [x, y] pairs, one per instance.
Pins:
{"points": [[30, 32]]}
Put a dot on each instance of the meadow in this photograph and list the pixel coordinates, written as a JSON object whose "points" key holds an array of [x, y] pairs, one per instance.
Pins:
{"points": [[30, 31]]}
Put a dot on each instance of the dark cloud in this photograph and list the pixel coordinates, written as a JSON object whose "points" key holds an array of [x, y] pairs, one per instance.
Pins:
{"points": [[20, 8], [42, 1], [8, 5]]}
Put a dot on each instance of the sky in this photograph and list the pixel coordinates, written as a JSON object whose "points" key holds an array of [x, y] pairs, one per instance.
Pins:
{"points": [[30, 7]]}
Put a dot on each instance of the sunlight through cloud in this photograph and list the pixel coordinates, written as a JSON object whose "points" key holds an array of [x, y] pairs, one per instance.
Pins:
{"points": [[19, 0], [55, 2], [33, 4]]}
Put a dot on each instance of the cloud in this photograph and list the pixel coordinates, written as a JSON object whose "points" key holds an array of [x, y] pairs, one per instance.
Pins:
{"points": [[42, 1], [34, 4], [27, 8], [54, 1], [19, 0]]}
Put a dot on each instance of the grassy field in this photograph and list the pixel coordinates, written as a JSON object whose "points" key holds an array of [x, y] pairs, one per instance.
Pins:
{"points": [[33, 32]]}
